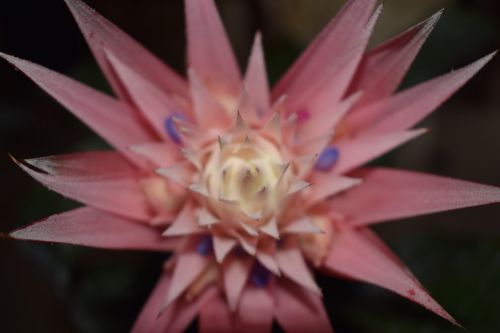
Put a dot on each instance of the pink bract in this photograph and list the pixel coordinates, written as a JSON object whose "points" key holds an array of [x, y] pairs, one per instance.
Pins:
{"points": [[250, 188]]}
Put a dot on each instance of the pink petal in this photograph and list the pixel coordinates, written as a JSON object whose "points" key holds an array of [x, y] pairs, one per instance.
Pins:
{"points": [[216, 317], [325, 185], [148, 321], [189, 265], [184, 223], [298, 310], [209, 51], [235, 272], [360, 150], [109, 118], [292, 264], [323, 95], [407, 108], [222, 246], [301, 226], [101, 191], [160, 154], [206, 108], [256, 78], [247, 108], [177, 317], [102, 34], [383, 68], [354, 256], [323, 124], [185, 312], [92, 227], [105, 164], [152, 101], [266, 254], [255, 313], [392, 194], [329, 50]]}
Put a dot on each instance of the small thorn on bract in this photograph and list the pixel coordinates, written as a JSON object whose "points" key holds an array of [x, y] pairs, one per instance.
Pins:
{"points": [[240, 125], [297, 186], [222, 143]]}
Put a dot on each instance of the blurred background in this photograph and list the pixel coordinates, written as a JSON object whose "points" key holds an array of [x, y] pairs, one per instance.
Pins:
{"points": [[56, 288]]}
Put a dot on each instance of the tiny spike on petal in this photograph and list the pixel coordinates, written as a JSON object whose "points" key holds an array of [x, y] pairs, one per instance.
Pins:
{"points": [[247, 108], [240, 124], [297, 186]]}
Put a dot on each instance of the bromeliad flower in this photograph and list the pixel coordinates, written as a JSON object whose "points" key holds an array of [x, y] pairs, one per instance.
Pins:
{"points": [[249, 189]]}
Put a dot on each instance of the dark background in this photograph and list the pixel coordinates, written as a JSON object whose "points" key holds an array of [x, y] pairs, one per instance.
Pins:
{"points": [[55, 288]]}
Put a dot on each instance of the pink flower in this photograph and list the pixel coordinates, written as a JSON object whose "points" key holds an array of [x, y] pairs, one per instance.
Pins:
{"points": [[250, 189]]}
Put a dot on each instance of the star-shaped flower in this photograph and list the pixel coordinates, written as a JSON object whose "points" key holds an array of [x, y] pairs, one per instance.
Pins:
{"points": [[249, 188]]}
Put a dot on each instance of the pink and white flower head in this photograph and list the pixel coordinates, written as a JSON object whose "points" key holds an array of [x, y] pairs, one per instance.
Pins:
{"points": [[249, 188]]}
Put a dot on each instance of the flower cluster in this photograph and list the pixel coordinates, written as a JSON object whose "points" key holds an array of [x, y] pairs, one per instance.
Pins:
{"points": [[250, 188]]}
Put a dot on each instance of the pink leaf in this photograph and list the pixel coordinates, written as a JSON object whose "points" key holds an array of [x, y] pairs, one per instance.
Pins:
{"points": [[209, 51], [357, 151], [256, 78], [383, 68], [119, 195], [292, 264], [355, 256], [109, 118], [405, 109], [393, 194], [216, 317], [154, 103], [255, 313], [298, 310], [102, 34], [92, 227]]}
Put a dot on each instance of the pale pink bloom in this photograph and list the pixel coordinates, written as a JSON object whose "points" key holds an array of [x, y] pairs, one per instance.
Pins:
{"points": [[251, 189]]}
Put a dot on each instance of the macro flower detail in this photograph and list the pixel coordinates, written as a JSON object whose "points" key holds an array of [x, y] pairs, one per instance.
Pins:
{"points": [[251, 189]]}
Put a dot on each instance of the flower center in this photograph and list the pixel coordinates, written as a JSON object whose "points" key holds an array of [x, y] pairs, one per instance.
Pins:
{"points": [[247, 178]]}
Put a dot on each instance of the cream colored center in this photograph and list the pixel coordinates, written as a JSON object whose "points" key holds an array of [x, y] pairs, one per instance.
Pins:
{"points": [[247, 179]]}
